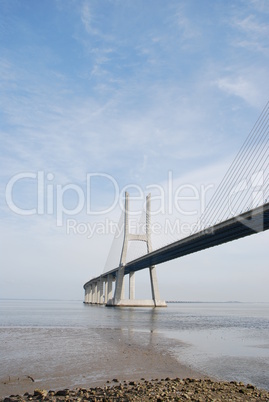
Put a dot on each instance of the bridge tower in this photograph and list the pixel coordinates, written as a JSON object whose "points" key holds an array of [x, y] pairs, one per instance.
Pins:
{"points": [[119, 294]]}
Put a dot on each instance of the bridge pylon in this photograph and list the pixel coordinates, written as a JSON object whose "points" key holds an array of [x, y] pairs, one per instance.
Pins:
{"points": [[119, 294]]}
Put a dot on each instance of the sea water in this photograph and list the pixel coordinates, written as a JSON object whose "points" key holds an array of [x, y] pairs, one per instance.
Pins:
{"points": [[229, 341]]}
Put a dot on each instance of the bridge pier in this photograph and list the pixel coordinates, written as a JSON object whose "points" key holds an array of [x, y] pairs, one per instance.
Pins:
{"points": [[132, 285], [91, 292], [95, 293], [99, 291], [86, 299], [154, 284], [106, 290], [119, 299], [94, 289]]}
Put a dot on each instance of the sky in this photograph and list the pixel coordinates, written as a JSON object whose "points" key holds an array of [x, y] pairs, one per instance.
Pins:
{"points": [[99, 97]]}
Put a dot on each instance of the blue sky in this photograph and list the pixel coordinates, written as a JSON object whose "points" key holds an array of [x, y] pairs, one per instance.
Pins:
{"points": [[131, 90]]}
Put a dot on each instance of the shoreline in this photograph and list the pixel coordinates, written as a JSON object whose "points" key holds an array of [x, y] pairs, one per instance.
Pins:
{"points": [[158, 390], [84, 357], [128, 356], [139, 365]]}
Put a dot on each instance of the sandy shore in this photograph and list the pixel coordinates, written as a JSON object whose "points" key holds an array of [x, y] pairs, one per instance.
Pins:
{"points": [[139, 367], [155, 390], [131, 356]]}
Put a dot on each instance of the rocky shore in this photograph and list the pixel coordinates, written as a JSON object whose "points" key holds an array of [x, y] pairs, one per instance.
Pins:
{"points": [[156, 390]]}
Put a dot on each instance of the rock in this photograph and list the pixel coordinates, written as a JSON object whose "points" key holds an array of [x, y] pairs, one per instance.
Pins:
{"points": [[40, 392], [63, 392], [155, 390]]}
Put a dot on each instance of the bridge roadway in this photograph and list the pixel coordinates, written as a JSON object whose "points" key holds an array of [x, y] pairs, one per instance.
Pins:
{"points": [[248, 223]]}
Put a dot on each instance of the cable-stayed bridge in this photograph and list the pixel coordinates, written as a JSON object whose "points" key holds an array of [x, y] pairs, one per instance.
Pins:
{"points": [[239, 208]]}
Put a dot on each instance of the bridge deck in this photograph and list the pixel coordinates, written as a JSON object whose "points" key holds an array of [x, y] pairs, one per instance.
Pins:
{"points": [[248, 223]]}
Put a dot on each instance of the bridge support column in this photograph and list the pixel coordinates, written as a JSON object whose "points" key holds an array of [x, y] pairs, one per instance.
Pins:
{"points": [[109, 287], [106, 290], [95, 293], [119, 296], [132, 285], [86, 296], [154, 285], [91, 294], [119, 287], [101, 291]]}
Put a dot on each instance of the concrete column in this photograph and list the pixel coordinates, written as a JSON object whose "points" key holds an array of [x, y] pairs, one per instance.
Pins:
{"points": [[123, 289], [87, 294], [98, 292], [101, 291], [126, 231], [95, 292], [132, 285], [119, 288], [148, 223], [106, 290], [152, 270], [154, 284], [109, 287], [90, 294]]}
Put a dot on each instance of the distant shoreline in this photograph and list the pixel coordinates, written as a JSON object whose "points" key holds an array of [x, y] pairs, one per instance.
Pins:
{"points": [[167, 301], [206, 302]]}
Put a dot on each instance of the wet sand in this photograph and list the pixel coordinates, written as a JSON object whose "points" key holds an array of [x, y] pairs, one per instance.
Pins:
{"points": [[128, 356], [131, 366]]}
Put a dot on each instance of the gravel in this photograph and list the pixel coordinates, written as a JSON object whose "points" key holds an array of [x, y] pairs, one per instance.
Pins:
{"points": [[156, 390]]}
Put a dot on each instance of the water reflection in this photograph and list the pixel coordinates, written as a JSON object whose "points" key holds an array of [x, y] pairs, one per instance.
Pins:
{"points": [[200, 335]]}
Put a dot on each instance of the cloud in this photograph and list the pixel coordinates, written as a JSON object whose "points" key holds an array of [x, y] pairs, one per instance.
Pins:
{"points": [[239, 86], [247, 83], [49, 127], [86, 17], [188, 29], [260, 5], [253, 34], [251, 25]]}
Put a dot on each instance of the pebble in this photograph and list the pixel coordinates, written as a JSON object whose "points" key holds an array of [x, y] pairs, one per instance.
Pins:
{"points": [[177, 389]]}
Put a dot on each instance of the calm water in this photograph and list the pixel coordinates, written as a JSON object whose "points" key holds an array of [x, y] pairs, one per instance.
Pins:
{"points": [[229, 341]]}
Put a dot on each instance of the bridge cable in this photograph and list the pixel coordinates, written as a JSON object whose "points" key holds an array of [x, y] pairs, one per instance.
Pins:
{"points": [[246, 154]]}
